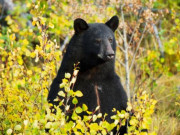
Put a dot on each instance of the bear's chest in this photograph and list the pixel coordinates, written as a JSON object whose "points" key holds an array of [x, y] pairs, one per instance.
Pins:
{"points": [[96, 94]]}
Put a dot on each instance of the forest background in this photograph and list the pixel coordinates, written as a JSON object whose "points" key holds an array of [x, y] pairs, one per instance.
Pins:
{"points": [[33, 38]]}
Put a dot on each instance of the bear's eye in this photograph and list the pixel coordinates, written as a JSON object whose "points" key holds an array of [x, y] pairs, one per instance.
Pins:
{"points": [[98, 41], [110, 40]]}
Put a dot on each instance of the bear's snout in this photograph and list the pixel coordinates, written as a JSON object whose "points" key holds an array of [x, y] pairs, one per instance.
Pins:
{"points": [[110, 56], [109, 53]]}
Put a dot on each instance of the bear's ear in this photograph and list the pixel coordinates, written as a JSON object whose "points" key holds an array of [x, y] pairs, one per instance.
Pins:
{"points": [[113, 23], [80, 25]]}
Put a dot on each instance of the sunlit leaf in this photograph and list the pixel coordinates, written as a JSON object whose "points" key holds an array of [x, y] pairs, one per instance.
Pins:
{"points": [[78, 93], [61, 93], [74, 101], [17, 127], [84, 107], [9, 131], [78, 110]]}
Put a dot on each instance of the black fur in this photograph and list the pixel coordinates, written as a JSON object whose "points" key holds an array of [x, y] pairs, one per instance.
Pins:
{"points": [[94, 46]]}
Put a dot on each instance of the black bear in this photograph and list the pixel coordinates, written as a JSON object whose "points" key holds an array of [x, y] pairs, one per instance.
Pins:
{"points": [[94, 46]]}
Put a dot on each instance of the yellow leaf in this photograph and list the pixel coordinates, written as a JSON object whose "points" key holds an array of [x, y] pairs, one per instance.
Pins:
{"points": [[48, 125], [129, 108], [34, 23], [62, 85], [61, 93], [51, 25], [42, 20], [17, 127], [133, 122], [15, 28], [67, 75], [20, 60], [78, 93], [12, 37], [29, 72], [64, 81], [1, 41], [33, 54], [25, 42], [9, 20]]}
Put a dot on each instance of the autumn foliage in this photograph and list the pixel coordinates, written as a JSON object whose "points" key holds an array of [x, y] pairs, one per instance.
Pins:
{"points": [[33, 40]]}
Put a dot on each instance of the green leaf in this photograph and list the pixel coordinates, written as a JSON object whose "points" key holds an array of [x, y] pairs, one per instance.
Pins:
{"points": [[86, 118], [78, 93], [84, 107], [78, 109], [71, 93], [123, 122], [69, 125], [94, 127], [74, 116], [74, 101], [61, 103], [121, 115]]}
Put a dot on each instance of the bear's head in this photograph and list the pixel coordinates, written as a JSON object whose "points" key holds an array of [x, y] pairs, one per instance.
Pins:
{"points": [[97, 40]]}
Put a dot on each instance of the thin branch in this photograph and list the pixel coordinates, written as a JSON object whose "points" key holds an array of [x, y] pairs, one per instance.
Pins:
{"points": [[133, 34], [119, 32], [120, 62], [156, 33], [64, 43], [120, 48], [154, 80], [140, 11], [139, 43], [126, 55]]}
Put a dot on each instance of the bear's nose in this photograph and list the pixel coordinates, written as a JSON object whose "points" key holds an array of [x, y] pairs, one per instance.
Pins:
{"points": [[110, 56]]}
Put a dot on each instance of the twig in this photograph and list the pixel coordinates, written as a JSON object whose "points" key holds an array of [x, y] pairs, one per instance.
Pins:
{"points": [[119, 32], [120, 48], [131, 38], [154, 80], [120, 62], [139, 43]]}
